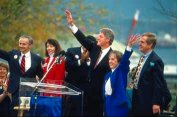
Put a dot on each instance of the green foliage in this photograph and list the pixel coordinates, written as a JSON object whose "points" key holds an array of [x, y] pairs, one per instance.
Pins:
{"points": [[42, 19]]}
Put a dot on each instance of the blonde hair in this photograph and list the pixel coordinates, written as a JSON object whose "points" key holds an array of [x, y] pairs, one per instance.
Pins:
{"points": [[5, 66], [151, 38], [118, 54]]}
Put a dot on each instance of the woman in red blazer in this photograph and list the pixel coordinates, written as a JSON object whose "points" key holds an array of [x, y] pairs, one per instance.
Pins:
{"points": [[54, 64]]}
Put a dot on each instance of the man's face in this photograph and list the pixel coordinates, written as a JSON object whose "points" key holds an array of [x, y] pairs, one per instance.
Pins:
{"points": [[144, 47], [24, 45], [102, 41]]}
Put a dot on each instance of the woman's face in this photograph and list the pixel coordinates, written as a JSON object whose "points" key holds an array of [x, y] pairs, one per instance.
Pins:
{"points": [[113, 62], [3, 74], [50, 49]]}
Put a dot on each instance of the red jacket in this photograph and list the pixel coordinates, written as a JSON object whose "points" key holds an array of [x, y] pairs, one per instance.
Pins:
{"points": [[56, 74]]}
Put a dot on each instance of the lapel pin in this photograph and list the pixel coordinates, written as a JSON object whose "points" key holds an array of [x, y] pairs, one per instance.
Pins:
{"points": [[152, 64], [15, 56], [77, 56]]}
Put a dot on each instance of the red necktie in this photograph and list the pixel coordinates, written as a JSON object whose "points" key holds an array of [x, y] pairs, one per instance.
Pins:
{"points": [[22, 65]]}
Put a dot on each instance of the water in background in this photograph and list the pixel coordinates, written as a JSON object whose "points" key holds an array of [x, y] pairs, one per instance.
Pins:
{"points": [[168, 55]]}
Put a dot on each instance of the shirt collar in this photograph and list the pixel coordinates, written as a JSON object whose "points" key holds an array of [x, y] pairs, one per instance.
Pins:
{"points": [[82, 50], [147, 54], [106, 49], [27, 54], [51, 55], [114, 68]]}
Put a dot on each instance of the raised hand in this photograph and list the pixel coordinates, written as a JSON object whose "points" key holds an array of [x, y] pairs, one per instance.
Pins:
{"points": [[133, 39], [69, 17], [156, 109], [85, 55]]}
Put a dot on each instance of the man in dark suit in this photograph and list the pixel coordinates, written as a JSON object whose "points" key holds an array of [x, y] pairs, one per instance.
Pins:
{"points": [[31, 70], [149, 82], [99, 53], [78, 69]]}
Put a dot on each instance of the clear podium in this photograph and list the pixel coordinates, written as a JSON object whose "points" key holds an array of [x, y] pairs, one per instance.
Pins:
{"points": [[47, 99]]}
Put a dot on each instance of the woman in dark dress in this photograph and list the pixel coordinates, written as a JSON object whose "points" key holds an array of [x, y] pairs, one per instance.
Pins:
{"points": [[5, 97]]}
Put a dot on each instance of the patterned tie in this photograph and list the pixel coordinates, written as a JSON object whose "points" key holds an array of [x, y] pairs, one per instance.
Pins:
{"points": [[22, 65], [134, 83], [98, 59]]}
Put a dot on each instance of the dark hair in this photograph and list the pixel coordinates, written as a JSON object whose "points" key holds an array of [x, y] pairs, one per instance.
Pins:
{"points": [[55, 44], [91, 38]]}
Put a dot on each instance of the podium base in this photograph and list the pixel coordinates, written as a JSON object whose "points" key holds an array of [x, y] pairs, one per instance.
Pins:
{"points": [[41, 106], [21, 110]]}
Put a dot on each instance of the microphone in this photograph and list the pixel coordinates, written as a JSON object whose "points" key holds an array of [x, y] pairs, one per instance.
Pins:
{"points": [[61, 54]]}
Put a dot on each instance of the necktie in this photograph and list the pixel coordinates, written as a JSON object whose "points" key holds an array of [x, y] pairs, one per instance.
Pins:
{"points": [[98, 59], [22, 65], [134, 83]]}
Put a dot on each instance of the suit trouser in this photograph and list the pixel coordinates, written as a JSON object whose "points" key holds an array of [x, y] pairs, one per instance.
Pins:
{"points": [[72, 106], [95, 107]]}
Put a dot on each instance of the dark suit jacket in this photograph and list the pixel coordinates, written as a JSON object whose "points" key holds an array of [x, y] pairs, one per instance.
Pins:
{"points": [[97, 75], [5, 105], [150, 86], [78, 75], [13, 59]]}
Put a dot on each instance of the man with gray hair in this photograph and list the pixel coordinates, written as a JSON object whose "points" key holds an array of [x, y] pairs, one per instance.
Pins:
{"points": [[99, 54], [150, 92], [23, 64]]}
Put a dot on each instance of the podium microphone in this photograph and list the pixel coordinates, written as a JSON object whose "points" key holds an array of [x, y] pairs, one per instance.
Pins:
{"points": [[61, 54]]}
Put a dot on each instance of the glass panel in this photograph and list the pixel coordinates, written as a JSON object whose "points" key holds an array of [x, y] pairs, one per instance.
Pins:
{"points": [[48, 99]]}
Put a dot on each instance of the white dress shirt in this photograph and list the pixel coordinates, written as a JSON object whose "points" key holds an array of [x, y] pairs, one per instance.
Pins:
{"points": [[73, 28], [50, 60], [104, 52], [108, 88]]}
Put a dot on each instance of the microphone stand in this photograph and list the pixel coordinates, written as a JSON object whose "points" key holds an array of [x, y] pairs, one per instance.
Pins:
{"points": [[36, 87], [56, 60]]}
